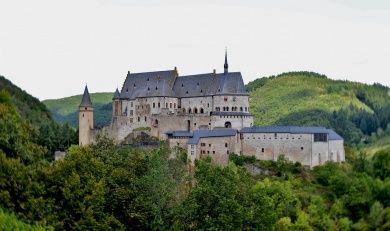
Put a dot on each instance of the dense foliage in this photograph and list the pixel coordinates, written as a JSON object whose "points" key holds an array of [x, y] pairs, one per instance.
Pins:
{"points": [[354, 110], [65, 110], [26, 126]]}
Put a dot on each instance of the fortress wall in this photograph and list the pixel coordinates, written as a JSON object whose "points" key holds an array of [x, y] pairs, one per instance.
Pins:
{"points": [[320, 153], [218, 148], [336, 150], [231, 101], [265, 146], [237, 122], [197, 102]]}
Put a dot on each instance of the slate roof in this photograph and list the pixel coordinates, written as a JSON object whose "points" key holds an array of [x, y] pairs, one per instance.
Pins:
{"points": [[180, 133], [210, 133], [117, 94], [148, 84], [293, 130], [86, 100], [169, 84]]}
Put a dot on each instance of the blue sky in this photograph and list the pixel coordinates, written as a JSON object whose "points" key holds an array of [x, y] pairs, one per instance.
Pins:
{"points": [[51, 48]]}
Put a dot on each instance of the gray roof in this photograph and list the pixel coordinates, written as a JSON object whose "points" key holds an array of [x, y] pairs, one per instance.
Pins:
{"points": [[169, 84], [148, 84], [209, 84], [117, 94], [86, 100], [180, 133], [293, 130], [210, 133]]}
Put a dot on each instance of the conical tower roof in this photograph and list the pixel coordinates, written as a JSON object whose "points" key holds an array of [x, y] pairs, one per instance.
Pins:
{"points": [[117, 94], [86, 100]]}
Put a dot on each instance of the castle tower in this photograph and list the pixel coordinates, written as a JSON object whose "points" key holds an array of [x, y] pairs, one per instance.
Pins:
{"points": [[85, 119], [226, 65], [116, 104]]}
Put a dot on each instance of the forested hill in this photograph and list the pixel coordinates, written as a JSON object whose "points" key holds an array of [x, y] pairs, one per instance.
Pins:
{"points": [[27, 127], [354, 110], [65, 110], [29, 107]]}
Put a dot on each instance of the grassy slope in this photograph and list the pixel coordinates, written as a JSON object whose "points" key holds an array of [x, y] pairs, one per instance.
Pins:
{"points": [[11, 222], [297, 92], [65, 110], [68, 105]]}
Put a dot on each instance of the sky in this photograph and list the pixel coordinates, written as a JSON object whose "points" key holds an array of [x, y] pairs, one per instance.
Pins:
{"points": [[52, 48]]}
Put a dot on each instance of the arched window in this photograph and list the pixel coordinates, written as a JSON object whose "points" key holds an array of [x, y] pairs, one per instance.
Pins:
{"points": [[195, 110], [201, 110], [228, 124], [217, 109], [241, 109], [189, 110]]}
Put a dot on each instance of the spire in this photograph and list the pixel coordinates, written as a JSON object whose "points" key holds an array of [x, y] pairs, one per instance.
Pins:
{"points": [[86, 100], [117, 95], [226, 65]]}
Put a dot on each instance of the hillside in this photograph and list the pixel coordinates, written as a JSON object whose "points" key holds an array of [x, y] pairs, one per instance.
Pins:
{"points": [[29, 107], [64, 110], [27, 129]]}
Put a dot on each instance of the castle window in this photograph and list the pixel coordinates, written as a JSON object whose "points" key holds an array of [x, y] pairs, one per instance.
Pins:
{"points": [[139, 119], [154, 105], [156, 88], [166, 105], [196, 110], [320, 137], [127, 89], [227, 152], [170, 105], [201, 110], [148, 88], [262, 150], [83, 114], [147, 79], [213, 152], [226, 145], [225, 99], [131, 120], [182, 85], [131, 112], [240, 108], [208, 152], [134, 85], [201, 90], [246, 109], [197, 84], [209, 145], [158, 105], [208, 105], [174, 105], [145, 118], [301, 148], [186, 92], [189, 110], [202, 144]]}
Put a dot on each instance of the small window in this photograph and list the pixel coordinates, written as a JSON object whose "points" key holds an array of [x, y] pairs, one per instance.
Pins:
{"points": [[145, 118], [226, 145], [301, 148], [208, 152], [154, 105], [227, 152], [262, 150], [213, 152], [209, 145], [158, 105]]}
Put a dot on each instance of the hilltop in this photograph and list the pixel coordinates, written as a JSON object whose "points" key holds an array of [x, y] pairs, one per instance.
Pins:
{"points": [[354, 110], [65, 110]]}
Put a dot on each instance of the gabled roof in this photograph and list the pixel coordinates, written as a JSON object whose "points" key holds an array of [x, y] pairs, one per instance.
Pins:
{"points": [[210, 133], [86, 100], [209, 84], [148, 84]]}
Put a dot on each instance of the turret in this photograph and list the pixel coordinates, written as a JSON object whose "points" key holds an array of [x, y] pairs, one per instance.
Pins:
{"points": [[85, 119], [116, 104]]}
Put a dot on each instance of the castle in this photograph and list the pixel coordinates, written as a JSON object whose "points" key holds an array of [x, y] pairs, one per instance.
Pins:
{"points": [[208, 115]]}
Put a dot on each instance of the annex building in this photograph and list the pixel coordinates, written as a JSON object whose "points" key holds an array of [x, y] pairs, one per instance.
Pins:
{"points": [[208, 115]]}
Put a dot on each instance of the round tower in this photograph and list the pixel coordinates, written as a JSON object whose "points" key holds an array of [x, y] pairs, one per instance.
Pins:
{"points": [[116, 104], [85, 119]]}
